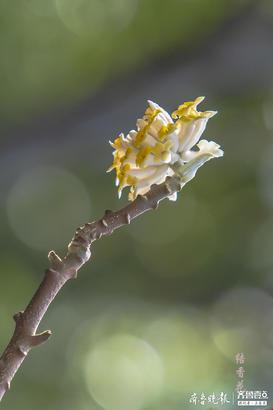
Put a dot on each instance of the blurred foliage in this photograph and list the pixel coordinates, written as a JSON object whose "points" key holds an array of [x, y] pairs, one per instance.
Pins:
{"points": [[167, 302], [56, 52]]}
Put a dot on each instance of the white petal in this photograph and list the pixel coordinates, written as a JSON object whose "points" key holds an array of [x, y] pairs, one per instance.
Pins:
{"points": [[210, 147], [207, 151], [142, 173], [131, 134], [155, 106], [174, 158], [131, 158], [151, 138], [158, 177], [205, 147], [141, 123], [175, 141], [189, 133]]}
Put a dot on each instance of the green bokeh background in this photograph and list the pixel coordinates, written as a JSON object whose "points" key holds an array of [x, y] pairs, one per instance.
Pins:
{"points": [[165, 303]]}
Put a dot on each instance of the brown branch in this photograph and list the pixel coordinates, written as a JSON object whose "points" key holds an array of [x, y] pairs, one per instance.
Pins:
{"points": [[61, 270]]}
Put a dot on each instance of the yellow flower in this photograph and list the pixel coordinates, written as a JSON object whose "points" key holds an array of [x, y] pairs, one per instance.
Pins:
{"points": [[161, 147]]}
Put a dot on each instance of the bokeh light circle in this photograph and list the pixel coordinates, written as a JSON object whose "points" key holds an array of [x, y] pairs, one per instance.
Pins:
{"points": [[183, 342], [85, 17], [124, 372], [240, 320], [46, 205]]}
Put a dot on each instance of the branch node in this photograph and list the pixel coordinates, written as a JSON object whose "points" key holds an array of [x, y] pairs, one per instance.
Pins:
{"points": [[54, 273], [79, 245], [142, 198], [22, 349], [79, 229], [92, 234], [80, 239], [173, 184], [168, 187], [104, 222], [18, 316], [155, 205], [55, 261], [40, 338]]}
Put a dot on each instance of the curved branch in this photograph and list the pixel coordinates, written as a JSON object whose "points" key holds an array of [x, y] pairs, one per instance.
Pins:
{"points": [[61, 270]]}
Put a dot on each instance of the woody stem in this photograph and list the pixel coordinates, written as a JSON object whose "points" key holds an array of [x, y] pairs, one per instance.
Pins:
{"points": [[25, 335]]}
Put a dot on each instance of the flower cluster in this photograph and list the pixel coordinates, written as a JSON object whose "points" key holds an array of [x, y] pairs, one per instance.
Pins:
{"points": [[162, 146]]}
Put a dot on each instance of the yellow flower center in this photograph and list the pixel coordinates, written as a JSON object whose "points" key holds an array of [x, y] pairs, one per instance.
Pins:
{"points": [[141, 133], [188, 110]]}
